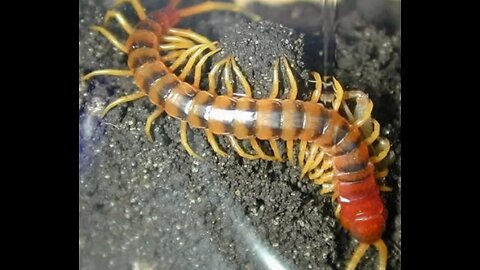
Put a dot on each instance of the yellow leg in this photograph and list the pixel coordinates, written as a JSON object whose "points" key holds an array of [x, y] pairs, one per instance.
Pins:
{"points": [[113, 72], [290, 151], [317, 160], [212, 75], [318, 87], [150, 120], [110, 37], [189, 34], [363, 107], [325, 178], [136, 5], [384, 147], [382, 254], [211, 6], [348, 113], [301, 153], [183, 57], [374, 135], [339, 94], [120, 19], [183, 137], [174, 46], [259, 150], [179, 40], [191, 61], [239, 149], [310, 160], [276, 150], [243, 80], [291, 80], [214, 144], [357, 255], [381, 174], [337, 211], [121, 100], [384, 188], [227, 77], [276, 82], [317, 173], [335, 196], [172, 55], [327, 188], [198, 68]]}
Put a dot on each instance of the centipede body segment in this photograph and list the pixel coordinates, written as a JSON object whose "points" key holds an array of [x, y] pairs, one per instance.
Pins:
{"points": [[335, 149]]}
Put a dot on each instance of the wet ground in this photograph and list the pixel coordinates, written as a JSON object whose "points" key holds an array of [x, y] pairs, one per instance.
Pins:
{"points": [[152, 206]]}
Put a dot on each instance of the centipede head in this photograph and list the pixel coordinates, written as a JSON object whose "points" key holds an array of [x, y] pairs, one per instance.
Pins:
{"points": [[167, 17]]}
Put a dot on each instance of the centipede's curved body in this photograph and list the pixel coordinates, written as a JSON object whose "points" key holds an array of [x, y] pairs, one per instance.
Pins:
{"points": [[362, 211]]}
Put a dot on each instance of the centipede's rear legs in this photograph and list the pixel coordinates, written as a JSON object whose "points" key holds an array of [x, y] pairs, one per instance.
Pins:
{"points": [[360, 252]]}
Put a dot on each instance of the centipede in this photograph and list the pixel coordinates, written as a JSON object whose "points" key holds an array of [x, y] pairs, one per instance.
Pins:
{"points": [[339, 143]]}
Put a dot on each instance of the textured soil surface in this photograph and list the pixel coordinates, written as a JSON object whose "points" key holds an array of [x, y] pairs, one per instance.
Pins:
{"points": [[152, 206]]}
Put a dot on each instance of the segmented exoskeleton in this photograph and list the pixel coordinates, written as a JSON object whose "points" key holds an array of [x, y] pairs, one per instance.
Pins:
{"points": [[338, 146]]}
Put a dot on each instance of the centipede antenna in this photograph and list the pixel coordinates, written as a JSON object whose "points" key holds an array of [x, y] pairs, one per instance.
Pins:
{"points": [[211, 6]]}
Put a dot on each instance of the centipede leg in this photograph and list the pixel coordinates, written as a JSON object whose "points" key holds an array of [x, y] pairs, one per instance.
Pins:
{"points": [[384, 147], [301, 153], [375, 133], [357, 255], [174, 46], [338, 209], [183, 57], [212, 75], [124, 99], [327, 189], [338, 94], [290, 151], [381, 174], [291, 80], [113, 72], [227, 77], [150, 120], [178, 40], [110, 37], [213, 142], [120, 19], [259, 150], [311, 158], [211, 6], [318, 87], [189, 34], [183, 137], [276, 81], [317, 173], [276, 150], [382, 254], [241, 77], [198, 68], [364, 106], [239, 149], [173, 55], [191, 61], [136, 5]]}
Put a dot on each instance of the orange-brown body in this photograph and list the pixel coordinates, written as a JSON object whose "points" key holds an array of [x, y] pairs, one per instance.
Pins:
{"points": [[362, 210]]}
